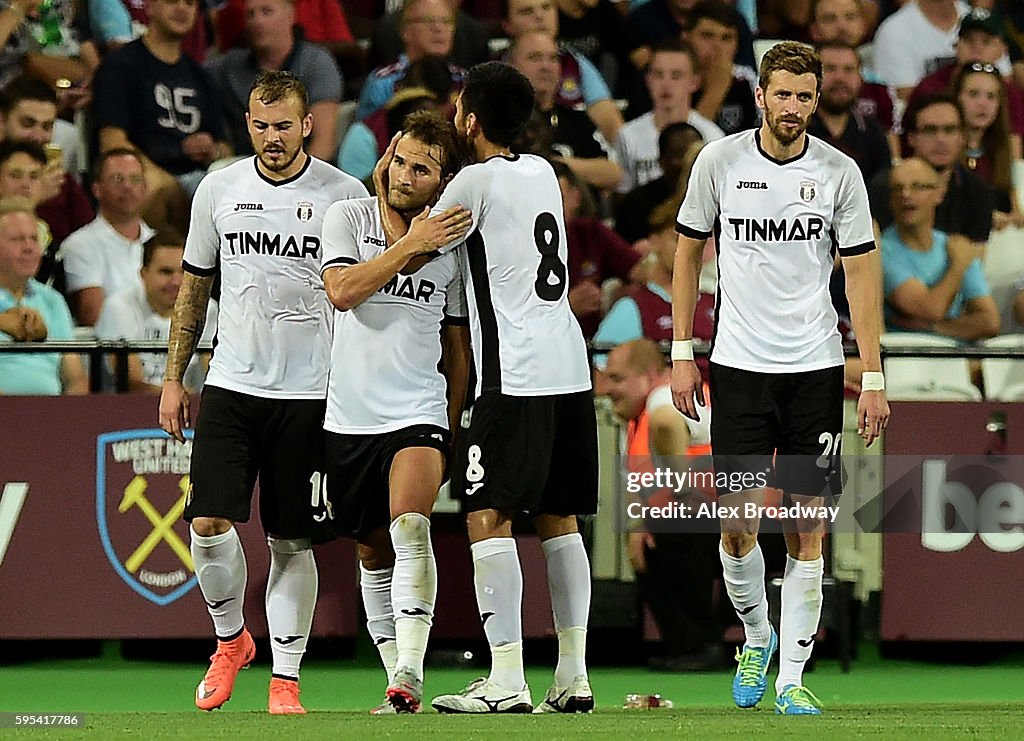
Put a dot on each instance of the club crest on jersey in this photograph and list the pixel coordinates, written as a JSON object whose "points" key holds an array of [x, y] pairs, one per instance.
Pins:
{"points": [[304, 210], [142, 485], [807, 190]]}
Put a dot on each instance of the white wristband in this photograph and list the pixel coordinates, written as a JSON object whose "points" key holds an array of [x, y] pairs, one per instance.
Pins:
{"points": [[682, 350], [872, 381]]}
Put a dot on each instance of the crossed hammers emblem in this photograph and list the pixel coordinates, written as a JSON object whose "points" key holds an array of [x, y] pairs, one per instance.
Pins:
{"points": [[163, 526]]}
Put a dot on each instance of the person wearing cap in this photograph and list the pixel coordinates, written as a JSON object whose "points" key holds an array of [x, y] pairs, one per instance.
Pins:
{"points": [[981, 40]]}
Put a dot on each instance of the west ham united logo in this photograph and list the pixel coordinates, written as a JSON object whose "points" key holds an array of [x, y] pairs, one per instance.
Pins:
{"points": [[304, 210], [142, 484], [807, 190]]}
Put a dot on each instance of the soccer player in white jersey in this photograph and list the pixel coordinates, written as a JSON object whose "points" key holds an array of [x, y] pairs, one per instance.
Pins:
{"points": [[258, 221], [532, 443], [780, 203], [400, 365]]}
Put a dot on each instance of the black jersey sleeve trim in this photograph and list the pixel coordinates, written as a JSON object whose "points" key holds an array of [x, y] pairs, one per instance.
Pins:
{"points": [[338, 262], [859, 249], [195, 270], [455, 321], [689, 231]]}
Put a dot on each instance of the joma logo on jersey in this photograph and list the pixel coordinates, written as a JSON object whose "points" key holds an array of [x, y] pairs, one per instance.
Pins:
{"points": [[261, 243], [373, 240], [248, 207], [751, 184], [404, 286], [777, 230]]}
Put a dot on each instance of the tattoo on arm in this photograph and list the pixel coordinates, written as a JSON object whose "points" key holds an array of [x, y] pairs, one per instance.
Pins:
{"points": [[187, 324]]}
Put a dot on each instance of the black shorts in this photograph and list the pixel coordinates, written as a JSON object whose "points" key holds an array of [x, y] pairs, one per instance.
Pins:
{"points": [[239, 437], [795, 418], [358, 473], [536, 454]]}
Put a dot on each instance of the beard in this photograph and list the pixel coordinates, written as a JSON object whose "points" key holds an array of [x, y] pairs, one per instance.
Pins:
{"points": [[282, 164], [786, 136], [407, 204], [836, 101]]}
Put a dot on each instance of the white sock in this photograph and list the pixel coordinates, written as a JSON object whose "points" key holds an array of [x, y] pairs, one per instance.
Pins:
{"points": [[413, 588], [801, 610], [744, 581], [380, 620], [498, 579], [569, 584], [291, 598], [220, 569]]}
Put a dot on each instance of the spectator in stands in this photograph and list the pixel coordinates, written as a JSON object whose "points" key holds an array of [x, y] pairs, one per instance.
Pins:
{"points": [[980, 40], [837, 120], [104, 256], [322, 22], [558, 131], [21, 171], [726, 93], [935, 131], [31, 311], [142, 311], [469, 46], [934, 282], [981, 91], [675, 571], [28, 110], [846, 21], [114, 23], [632, 217], [579, 81], [151, 96], [671, 80], [658, 20], [915, 40], [428, 29], [273, 44], [596, 253], [60, 49], [595, 29]]}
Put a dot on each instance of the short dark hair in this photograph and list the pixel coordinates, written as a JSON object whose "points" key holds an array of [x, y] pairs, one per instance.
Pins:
{"points": [[274, 85], [675, 46], [166, 237], [793, 57], [10, 148], [921, 102], [714, 10], [25, 88], [837, 44], [431, 128], [501, 98], [816, 6], [101, 161], [676, 129]]}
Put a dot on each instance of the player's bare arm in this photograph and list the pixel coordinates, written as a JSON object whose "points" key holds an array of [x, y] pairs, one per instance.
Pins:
{"points": [[350, 285], [455, 358], [864, 292], [187, 323], [687, 390]]}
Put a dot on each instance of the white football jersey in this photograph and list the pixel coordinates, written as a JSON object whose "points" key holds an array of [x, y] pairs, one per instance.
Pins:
{"points": [[385, 361], [274, 330], [777, 225], [526, 341]]}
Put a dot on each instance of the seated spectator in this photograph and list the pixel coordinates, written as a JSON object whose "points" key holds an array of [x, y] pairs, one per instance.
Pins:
{"points": [[143, 311], [595, 29], [837, 120], [427, 30], [469, 46], [114, 23], [62, 55], [151, 96], [580, 83], [915, 40], [671, 80], [676, 572], [322, 22], [935, 131], [104, 256], [557, 131], [989, 150], [980, 40], [31, 311], [596, 253], [933, 282], [726, 92], [21, 176], [273, 44], [632, 217], [847, 22], [659, 20]]}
